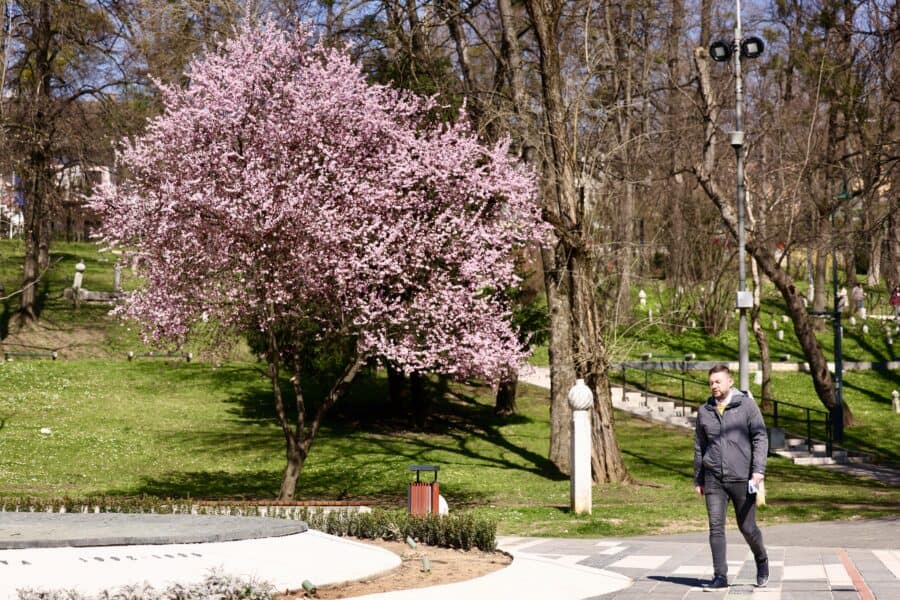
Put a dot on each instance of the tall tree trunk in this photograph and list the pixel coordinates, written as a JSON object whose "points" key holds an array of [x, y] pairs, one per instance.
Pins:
{"points": [[821, 267], [570, 260], [562, 366], [873, 276], [762, 338]]}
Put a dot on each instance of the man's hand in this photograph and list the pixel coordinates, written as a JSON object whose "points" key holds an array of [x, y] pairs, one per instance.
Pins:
{"points": [[699, 490], [757, 478]]}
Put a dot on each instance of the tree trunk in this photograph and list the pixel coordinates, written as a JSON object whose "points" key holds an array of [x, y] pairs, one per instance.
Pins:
{"points": [[576, 300], [421, 403], [821, 269], [505, 405], [762, 338], [562, 367], [626, 252], [607, 465], [873, 277], [28, 306], [398, 390]]}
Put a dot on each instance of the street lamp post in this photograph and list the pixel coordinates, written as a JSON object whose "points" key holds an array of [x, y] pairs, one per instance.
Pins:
{"points": [[721, 51], [837, 425]]}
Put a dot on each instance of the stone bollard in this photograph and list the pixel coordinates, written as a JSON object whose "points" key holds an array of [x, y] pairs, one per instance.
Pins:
{"points": [[895, 402], [79, 275], [642, 297], [117, 277], [780, 334], [76, 283], [581, 400]]}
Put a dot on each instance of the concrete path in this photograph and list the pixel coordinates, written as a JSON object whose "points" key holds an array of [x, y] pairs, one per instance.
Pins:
{"points": [[834, 560], [91, 552], [813, 561]]}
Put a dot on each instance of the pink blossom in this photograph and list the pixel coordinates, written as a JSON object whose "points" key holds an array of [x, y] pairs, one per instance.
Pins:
{"points": [[279, 177]]}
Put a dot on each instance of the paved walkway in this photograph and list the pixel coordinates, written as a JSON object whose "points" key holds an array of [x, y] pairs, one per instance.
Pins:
{"points": [[832, 560], [813, 561]]}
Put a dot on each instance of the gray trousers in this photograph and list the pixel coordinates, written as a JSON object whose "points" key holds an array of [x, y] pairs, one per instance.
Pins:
{"points": [[717, 494]]}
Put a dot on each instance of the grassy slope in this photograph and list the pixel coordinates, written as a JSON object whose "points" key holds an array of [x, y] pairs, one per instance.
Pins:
{"points": [[195, 430], [176, 429]]}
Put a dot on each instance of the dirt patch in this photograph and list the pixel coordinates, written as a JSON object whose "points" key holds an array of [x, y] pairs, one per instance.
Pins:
{"points": [[447, 566], [67, 342]]}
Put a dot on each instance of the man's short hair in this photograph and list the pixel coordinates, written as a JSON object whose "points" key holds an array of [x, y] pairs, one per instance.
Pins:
{"points": [[720, 369]]}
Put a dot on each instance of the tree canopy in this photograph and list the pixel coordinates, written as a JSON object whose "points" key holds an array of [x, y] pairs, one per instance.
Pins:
{"points": [[281, 192]]}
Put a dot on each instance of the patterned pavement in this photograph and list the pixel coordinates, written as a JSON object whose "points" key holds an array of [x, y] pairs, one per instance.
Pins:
{"points": [[862, 563]]}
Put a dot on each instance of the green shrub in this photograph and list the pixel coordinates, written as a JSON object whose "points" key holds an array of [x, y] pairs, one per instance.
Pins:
{"points": [[458, 530]]}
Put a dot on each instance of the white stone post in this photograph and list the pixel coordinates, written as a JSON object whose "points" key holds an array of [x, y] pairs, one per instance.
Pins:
{"points": [[581, 400], [76, 283], [79, 276], [895, 395], [642, 297], [117, 277]]}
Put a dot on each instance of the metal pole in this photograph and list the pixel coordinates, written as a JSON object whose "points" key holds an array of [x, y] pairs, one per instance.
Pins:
{"points": [[837, 421], [737, 142]]}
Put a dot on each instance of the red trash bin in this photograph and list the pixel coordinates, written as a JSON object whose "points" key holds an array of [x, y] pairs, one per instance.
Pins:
{"points": [[423, 497]]}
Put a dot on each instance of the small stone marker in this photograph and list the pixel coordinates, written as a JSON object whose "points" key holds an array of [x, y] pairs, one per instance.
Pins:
{"points": [[642, 297], [117, 277], [780, 334], [79, 276], [865, 329], [853, 320], [895, 402], [785, 319], [757, 378]]}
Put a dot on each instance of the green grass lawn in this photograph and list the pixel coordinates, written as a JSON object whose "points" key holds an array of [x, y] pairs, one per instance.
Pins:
{"points": [[173, 429], [194, 430]]}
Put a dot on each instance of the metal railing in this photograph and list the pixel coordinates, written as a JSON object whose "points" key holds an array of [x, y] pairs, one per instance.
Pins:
{"points": [[778, 412], [779, 418], [647, 390]]}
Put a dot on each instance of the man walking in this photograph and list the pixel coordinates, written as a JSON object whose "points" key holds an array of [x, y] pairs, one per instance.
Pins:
{"points": [[730, 448]]}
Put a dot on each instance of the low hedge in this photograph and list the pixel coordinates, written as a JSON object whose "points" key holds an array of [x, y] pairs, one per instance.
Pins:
{"points": [[457, 530]]}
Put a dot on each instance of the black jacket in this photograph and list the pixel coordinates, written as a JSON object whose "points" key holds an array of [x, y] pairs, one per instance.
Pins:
{"points": [[733, 445]]}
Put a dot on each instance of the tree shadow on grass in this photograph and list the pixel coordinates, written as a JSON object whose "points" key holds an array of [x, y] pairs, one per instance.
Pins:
{"points": [[208, 484], [357, 453]]}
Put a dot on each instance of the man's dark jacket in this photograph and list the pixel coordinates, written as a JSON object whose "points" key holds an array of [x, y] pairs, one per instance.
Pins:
{"points": [[733, 445]]}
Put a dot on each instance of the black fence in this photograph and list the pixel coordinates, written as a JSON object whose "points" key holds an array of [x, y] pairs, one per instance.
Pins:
{"points": [[676, 384]]}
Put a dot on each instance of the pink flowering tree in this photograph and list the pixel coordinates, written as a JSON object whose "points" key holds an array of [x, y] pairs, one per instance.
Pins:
{"points": [[280, 194]]}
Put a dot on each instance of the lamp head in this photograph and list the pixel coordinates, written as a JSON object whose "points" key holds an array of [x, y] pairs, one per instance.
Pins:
{"points": [[720, 51], [752, 47]]}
